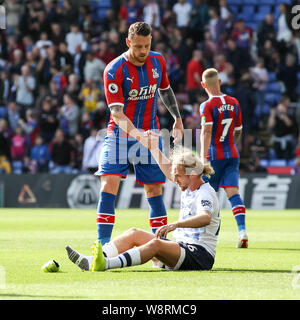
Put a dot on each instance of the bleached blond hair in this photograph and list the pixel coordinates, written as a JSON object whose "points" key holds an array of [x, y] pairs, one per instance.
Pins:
{"points": [[190, 161]]}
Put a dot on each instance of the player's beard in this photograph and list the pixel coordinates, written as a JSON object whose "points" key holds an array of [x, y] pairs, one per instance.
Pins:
{"points": [[141, 59]]}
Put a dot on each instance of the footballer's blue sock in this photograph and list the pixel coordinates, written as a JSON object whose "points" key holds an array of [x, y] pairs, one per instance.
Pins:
{"points": [[105, 216], [158, 214], [239, 211]]}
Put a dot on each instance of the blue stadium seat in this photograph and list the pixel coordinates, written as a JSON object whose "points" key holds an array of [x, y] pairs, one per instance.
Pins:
{"points": [[252, 25], [3, 112], [104, 4], [253, 2], [291, 163], [101, 14], [270, 2], [234, 9], [248, 9], [277, 163], [245, 16], [235, 2], [17, 167], [272, 76], [272, 98], [283, 1], [264, 9], [259, 17], [264, 162], [273, 87]]}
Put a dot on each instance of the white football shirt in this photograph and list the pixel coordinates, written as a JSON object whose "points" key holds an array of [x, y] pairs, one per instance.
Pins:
{"points": [[193, 203]]}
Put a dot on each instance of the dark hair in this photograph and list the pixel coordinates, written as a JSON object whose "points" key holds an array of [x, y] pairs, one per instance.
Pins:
{"points": [[139, 29]]}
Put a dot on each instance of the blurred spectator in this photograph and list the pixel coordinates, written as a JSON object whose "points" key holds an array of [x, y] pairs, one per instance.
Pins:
{"points": [[85, 125], [284, 33], [242, 35], [266, 31], [194, 75], [288, 75], [18, 145], [73, 87], [246, 97], [199, 19], [151, 13], [4, 88], [65, 58], [284, 129], [30, 127], [105, 54], [91, 151], [77, 143], [260, 80], [79, 63], [57, 35], [48, 122], [69, 116], [18, 61], [254, 166], [40, 156], [14, 10], [130, 12], [182, 10], [238, 57], [90, 95], [5, 156], [44, 43], [225, 14], [25, 85], [99, 116], [74, 38], [62, 153], [173, 68], [216, 25], [13, 115], [94, 68]]}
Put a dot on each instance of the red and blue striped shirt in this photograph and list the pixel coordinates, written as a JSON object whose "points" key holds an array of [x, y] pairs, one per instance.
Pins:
{"points": [[136, 89], [224, 114]]}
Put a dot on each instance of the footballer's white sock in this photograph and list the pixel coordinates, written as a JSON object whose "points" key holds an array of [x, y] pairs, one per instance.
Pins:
{"points": [[132, 257], [110, 250]]}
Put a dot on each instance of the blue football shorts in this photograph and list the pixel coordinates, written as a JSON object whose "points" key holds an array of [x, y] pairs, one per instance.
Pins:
{"points": [[226, 173], [118, 153]]}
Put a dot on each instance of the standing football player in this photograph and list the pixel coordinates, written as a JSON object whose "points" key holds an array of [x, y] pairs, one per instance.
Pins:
{"points": [[221, 122], [132, 84]]}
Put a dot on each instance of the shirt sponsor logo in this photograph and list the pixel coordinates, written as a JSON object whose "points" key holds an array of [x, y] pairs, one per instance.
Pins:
{"points": [[144, 93]]}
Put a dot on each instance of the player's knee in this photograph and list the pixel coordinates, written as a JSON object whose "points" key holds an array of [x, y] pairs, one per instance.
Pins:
{"points": [[153, 190], [155, 245]]}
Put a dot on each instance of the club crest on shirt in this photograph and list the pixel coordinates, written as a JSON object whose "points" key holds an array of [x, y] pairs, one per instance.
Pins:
{"points": [[155, 73]]}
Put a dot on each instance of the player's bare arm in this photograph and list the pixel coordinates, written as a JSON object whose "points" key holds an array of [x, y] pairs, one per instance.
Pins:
{"points": [[169, 100], [125, 124], [205, 139], [201, 220]]}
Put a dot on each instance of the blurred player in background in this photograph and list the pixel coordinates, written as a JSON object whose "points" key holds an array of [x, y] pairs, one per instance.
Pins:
{"points": [[221, 122], [195, 233], [132, 83]]}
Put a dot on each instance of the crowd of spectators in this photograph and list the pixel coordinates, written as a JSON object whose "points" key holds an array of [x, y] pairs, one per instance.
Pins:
{"points": [[53, 53]]}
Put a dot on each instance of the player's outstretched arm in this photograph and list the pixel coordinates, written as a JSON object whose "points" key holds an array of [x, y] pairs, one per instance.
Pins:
{"points": [[169, 100], [163, 162], [125, 123]]}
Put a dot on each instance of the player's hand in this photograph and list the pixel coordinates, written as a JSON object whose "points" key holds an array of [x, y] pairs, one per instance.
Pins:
{"points": [[164, 230], [153, 139], [178, 130]]}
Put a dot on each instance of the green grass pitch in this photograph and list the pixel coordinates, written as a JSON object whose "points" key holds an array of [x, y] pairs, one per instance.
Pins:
{"points": [[31, 237]]}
